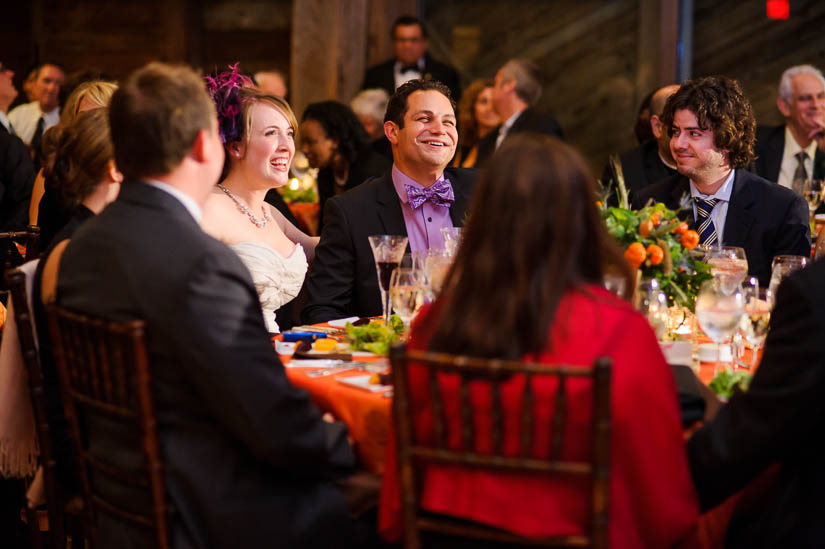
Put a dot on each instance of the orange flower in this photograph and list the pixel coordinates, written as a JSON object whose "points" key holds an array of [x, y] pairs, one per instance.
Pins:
{"points": [[690, 239], [655, 253], [635, 254], [645, 227], [681, 228], [656, 218]]}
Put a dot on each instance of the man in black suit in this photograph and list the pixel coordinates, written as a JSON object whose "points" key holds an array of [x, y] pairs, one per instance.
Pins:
{"points": [[411, 62], [711, 126], [16, 170], [651, 161], [777, 421], [516, 91], [417, 198], [249, 460], [789, 152]]}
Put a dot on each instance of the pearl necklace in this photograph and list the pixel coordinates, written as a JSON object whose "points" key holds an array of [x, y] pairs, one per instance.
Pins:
{"points": [[259, 222]]}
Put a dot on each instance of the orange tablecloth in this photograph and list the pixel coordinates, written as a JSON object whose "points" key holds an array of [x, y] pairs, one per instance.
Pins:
{"points": [[307, 215]]}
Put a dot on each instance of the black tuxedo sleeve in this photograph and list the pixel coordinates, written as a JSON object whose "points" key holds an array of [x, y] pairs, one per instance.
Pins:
{"points": [[242, 381], [16, 181], [794, 235], [781, 410], [331, 279]]}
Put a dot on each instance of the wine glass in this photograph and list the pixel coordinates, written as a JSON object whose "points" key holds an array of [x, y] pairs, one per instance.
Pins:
{"points": [[781, 266], [436, 266], [387, 250], [719, 311], [757, 318], [653, 304], [729, 265], [812, 192], [452, 239], [408, 288]]}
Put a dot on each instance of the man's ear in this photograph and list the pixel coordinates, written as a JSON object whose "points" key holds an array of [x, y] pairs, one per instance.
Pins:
{"points": [[656, 126], [783, 107], [199, 147], [391, 131]]}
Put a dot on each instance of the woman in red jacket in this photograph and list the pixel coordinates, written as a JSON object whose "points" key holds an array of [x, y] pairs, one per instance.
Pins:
{"points": [[527, 284]]}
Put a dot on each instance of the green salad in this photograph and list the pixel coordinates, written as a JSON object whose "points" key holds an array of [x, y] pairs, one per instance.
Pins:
{"points": [[727, 381], [375, 337]]}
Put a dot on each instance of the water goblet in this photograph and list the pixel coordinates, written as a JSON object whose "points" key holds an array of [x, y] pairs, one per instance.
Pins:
{"points": [[781, 266], [387, 250], [408, 289], [729, 265], [452, 239], [653, 304], [719, 311], [812, 192], [436, 266], [757, 318]]}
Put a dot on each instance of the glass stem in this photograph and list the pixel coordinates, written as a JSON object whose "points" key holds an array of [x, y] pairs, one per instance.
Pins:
{"points": [[387, 310]]}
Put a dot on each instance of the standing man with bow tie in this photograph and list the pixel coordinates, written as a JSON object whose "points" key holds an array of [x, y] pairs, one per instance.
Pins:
{"points": [[417, 198], [411, 62]]}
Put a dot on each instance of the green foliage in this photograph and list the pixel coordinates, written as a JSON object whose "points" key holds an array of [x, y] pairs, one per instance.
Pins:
{"points": [[727, 382], [375, 337], [291, 196]]}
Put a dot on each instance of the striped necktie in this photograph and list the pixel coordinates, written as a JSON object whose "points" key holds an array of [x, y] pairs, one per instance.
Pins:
{"points": [[800, 174], [707, 230]]}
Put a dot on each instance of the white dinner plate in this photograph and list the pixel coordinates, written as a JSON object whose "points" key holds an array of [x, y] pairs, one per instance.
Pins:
{"points": [[342, 322], [363, 383]]}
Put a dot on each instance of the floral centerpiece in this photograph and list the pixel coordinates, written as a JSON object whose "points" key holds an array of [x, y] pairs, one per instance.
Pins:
{"points": [[659, 245]]}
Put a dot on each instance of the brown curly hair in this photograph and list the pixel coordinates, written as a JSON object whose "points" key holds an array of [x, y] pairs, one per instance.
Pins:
{"points": [[719, 105]]}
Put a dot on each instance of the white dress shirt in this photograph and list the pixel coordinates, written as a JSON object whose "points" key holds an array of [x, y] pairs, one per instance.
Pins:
{"points": [[409, 75], [502, 131], [6, 124], [25, 117], [789, 161], [720, 212]]}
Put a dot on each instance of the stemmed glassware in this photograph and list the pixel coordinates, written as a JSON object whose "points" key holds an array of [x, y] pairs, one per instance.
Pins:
{"points": [[757, 318], [653, 304], [436, 266], [781, 266], [452, 239], [719, 310], [812, 192], [408, 289], [388, 251], [729, 265]]}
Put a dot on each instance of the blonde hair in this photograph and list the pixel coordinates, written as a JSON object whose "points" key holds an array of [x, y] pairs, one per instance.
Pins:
{"points": [[98, 92]]}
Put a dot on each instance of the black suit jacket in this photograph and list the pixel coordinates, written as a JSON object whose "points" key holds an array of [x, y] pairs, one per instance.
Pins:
{"points": [[763, 218], [16, 181], [342, 280], [641, 167], [779, 420], [250, 463], [530, 120], [770, 145], [382, 76]]}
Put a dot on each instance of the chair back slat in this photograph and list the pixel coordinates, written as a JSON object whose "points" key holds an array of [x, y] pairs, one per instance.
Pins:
{"points": [[16, 284], [527, 403], [414, 454], [105, 375], [559, 418]]}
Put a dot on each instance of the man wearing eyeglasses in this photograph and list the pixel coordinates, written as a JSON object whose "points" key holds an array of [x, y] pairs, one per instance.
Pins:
{"points": [[409, 41]]}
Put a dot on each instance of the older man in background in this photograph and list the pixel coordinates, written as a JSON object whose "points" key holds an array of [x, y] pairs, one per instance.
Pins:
{"points": [[32, 119]]}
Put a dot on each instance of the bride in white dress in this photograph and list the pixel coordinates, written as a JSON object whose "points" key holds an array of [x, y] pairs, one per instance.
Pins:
{"points": [[258, 131]]}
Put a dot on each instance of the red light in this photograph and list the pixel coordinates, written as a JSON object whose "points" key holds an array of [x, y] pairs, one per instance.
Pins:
{"points": [[777, 9]]}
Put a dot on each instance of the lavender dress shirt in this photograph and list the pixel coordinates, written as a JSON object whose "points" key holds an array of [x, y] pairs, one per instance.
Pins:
{"points": [[425, 223]]}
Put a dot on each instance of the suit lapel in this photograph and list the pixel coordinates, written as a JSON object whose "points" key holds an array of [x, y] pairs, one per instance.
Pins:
{"points": [[459, 205], [773, 161], [739, 219], [389, 207], [819, 165], [680, 189]]}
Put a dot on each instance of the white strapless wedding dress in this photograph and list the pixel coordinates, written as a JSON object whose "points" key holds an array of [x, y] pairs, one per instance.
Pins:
{"points": [[277, 279]]}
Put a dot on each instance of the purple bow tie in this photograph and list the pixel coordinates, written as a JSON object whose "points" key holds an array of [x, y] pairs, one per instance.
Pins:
{"points": [[439, 193]]}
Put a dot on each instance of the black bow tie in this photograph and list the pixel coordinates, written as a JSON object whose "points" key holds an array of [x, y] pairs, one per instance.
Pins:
{"points": [[410, 68]]}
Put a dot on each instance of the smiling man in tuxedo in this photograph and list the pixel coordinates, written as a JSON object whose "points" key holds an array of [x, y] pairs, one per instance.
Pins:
{"points": [[417, 198], [711, 128]]}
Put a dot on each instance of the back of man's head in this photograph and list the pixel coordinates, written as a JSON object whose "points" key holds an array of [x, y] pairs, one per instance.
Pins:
{"points": [[527, 76], [155, 117]]}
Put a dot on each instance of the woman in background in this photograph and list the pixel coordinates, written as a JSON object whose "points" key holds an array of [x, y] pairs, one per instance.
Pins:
{"points": [[335, 142], [47, 208], [476, 117], [527, 285]]}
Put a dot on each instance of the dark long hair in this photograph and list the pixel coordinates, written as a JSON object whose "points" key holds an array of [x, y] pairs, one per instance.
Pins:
{"points": [[339, 122], [534, 233]]}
